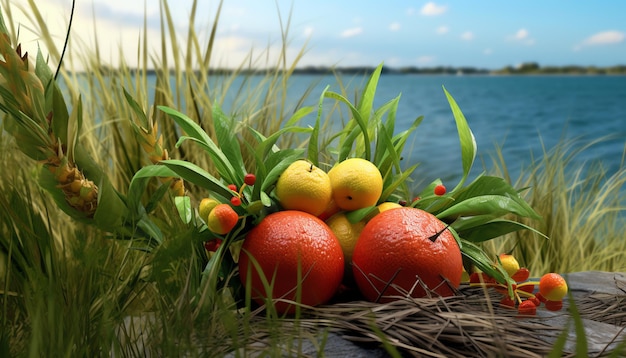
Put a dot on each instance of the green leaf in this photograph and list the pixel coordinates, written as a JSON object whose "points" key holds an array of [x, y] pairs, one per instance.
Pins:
{"points": [[228, 143], [138, 184], [139, 112], [74, 125], [198, 176], [367, 98], [183, 205], [466, 137], [194, 131], [313, 150], [481, 260], [492, 229], [356, 116], [357, 215], [496, 205], [279, 162]]}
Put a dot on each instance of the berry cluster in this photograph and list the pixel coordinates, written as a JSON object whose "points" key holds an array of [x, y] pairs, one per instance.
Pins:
{"points": [[552, 288], [221, 218]]}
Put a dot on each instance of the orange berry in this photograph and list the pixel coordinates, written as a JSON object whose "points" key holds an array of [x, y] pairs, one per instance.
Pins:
{"points": [[408, 248], [222, 219], [552, 287], [283, 244]]}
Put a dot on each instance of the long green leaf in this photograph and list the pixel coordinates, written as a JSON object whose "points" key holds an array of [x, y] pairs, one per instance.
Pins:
{"points": [[138, 184], [313, 149], [367, 97], [195, 131], [466, 138], [496, 205], [356, 116], [492, 229], [198, 176]]}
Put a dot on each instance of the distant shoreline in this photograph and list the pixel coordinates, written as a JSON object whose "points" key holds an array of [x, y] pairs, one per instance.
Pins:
{"points": [[530, 68]]}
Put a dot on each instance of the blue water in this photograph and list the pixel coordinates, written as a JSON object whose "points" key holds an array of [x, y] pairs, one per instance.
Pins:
{"points": [[523, 115]]}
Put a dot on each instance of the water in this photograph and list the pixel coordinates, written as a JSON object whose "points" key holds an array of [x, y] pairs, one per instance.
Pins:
{"points": [[523, 115]]}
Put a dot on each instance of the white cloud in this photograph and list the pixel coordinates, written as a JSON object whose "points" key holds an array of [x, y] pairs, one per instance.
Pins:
{"points": [[605, 38], [352, 32], [442, 30], [308, 31], [467, 36], [487, 51], [394, 26], [432, 9], [522, 36]]}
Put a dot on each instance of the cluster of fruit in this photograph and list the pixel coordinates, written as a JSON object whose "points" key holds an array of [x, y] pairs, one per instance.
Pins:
{"points": [[552, 288], [311, 246]]}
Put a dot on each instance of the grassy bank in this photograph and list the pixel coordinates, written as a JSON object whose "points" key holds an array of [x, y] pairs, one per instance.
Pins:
{"points": [[70, 288]]}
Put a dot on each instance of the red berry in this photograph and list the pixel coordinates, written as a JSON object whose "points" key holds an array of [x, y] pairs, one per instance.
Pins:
{"points": [[402, 202], [507, 302], [527, 308], [540, 297], [416, 198], [521, 275], [534, 300], [249, 179], [440, 189], [213, 245], [554, 305], [478, 277], [235, 200], [232, 187]]}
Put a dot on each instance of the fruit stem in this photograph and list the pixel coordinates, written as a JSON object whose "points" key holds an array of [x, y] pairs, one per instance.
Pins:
{"points": [[434, 237]]}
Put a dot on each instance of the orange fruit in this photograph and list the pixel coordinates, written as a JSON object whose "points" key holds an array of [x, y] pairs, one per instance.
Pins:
{"points": [[305, 187], [205, 207], [400, 247], [356, 183], [222, 219], [347, 233], [509, 264], [552, 286], [283, 244]]}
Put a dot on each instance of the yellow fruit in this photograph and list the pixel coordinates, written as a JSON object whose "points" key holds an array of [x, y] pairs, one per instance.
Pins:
{"points": [[205, 207], [347, 233], [388, 205], [356, 183], [305, 187], [509, 264]]}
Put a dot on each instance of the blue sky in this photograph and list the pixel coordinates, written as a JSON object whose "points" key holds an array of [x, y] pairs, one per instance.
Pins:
{"points": [[486, 34]]}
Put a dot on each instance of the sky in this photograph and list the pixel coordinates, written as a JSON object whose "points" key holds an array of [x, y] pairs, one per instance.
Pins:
{"points": [[476, 33]]}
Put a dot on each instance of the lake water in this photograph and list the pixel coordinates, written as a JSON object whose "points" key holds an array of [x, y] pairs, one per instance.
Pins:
{"points": [[523, 115]]}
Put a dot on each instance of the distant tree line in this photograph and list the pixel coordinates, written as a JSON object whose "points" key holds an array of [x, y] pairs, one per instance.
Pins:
{"points": [[528, 68]]}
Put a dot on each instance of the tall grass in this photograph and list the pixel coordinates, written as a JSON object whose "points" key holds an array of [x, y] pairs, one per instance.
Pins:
{"points": [[71, 290], [583, 210]]}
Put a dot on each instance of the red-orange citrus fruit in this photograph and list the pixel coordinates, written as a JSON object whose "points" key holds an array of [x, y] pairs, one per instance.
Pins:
{"points": [[288, 249], [408, 248]]}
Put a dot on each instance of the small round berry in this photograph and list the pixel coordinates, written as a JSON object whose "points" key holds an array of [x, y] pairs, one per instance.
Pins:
{"points": [[534, 300], [527, 308], [235, 200], [554, 305], [249, 179], [402, 202], [440, 189], [552, 286], [507, 302], [232, 187], [416, 198], [213, 245]]}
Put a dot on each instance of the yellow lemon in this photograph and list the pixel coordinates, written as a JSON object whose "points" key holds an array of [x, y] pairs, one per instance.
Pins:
{"points": [[348, 234], [356, 183], [305, 187], [388, 205]]}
